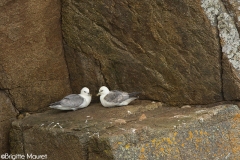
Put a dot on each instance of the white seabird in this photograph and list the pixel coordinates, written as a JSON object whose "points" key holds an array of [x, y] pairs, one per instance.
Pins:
{"points": [[115, 98], [74, 101]]}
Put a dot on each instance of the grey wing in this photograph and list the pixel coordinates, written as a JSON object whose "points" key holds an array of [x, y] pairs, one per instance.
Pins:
{"points": [[116, 96], [72, 101]]}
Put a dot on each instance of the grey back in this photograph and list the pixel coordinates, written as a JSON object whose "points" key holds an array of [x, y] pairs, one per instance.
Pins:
{"points": [[72, 100], [116, 96]]}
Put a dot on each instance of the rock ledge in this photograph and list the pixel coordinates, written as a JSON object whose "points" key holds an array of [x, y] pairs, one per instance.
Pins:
{"points": [[144, 130]]}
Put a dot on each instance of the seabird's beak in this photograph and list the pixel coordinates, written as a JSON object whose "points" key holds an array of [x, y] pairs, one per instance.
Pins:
{"points": [[98, 94]]}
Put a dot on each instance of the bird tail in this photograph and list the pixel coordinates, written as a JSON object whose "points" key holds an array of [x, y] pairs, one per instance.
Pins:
{"points": [[134, 94]]}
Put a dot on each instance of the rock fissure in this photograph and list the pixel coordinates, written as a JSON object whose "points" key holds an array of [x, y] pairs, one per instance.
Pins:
{"points": [[11, 97], [102, 72], [220, 63]]}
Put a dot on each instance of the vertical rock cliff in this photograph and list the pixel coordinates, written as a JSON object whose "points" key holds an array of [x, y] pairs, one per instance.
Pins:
{"points": [[177, 52], [167, 49], [33, 69]]}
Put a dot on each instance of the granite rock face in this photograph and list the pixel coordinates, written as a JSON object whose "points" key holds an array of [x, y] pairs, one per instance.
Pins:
{"points": [[32, 65], [33, 71], [178, 52], [7, 114], [166, 49], [224, 15], [232, 7], [143, 130]]}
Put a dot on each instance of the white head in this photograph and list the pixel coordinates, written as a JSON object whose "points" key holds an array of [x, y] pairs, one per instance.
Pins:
{"points": [[85, 91], [103, 91]]}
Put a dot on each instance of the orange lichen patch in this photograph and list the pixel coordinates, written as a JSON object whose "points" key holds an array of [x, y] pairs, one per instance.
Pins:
{"points": [[142, 157], [176, 157], [127, 146], [182, 145], [196, 131], [120, 121], [235, 144], [196, 145], [119, 142], [236, 149], [154, 140], [190, 135], [173, 139], [201, 132], [142, 117], [177, 150], [169, 150], [237, 117], [142, 149], [198, 140], [162, 149], [158, 143], [175, 134], [169, 140]]}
